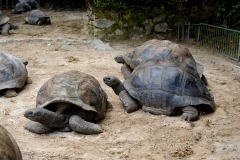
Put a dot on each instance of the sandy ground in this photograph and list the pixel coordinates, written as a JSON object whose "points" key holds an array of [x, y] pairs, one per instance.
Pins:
{"points": [[65, 46]]}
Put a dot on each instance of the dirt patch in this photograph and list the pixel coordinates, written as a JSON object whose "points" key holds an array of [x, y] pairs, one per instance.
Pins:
{"points": [[65, 46]]}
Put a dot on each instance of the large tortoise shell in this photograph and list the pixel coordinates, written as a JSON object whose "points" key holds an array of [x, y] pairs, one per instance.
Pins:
{"points": [[163, 87], [13, 73], [3, 19], [76, 88], [161, 49], [8, 146], [34, 16]]}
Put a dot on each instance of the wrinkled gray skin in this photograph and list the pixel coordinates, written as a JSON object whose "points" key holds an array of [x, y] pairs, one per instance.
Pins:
{"points": [[64, 119], [37, 17], [21, 7], [68, 101]]}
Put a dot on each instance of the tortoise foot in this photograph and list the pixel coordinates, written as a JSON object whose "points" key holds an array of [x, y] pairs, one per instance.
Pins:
{"points": [[10, 93], [80, 125], [119, 59], [190, 113], [38, 128], [29, 81], [130, 104], [5, 29]]}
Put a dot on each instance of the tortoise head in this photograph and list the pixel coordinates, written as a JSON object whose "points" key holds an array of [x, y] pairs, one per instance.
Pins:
{"points": [[119, 59], [111, 81], [46, 117], [34, 114], [44, 20], [48, 21]]}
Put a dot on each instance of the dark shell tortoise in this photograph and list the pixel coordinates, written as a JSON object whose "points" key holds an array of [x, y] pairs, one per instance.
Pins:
{"points": [[159, 49], [163, 87]]}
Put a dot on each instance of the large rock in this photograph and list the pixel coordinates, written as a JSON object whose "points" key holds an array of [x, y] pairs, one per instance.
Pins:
{"points": [[161, 27], [103, 23], [98, 44], [160, 18], [119, 32]]}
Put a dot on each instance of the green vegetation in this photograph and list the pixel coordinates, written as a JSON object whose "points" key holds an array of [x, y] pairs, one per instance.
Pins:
{"points": [[229, 11], [223, 12]]}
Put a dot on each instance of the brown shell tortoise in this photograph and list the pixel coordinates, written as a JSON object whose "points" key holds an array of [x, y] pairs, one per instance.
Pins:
{"points": [[68, 101]]}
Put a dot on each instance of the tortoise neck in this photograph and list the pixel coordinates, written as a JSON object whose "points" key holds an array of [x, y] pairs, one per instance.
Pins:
{"points": [[118, 88]]}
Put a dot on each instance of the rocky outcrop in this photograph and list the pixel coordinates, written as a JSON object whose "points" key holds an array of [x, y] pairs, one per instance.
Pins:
{"points": [[113, 24]]}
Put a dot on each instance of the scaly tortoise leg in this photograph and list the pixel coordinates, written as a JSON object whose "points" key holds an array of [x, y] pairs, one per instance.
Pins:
{"points": [[5, 29], [10, 93], [38, 128], [129, 103], [126, 71], [80, 125], [190, 113]]}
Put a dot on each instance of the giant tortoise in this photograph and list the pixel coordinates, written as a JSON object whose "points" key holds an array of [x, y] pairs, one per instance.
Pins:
{"points": [[155, 49], [37, 17], [9, 149], [163, 87], [68, 101], [32, 3], [13, 74], [21, 7]]}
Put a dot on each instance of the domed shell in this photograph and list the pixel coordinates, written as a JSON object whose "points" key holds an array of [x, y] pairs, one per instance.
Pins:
{"points": [[8, 146], [32, 3], [34, 16], [3, 19], [160, 49], [164, 87], [21, 7], [76, 88], [13, 73]]}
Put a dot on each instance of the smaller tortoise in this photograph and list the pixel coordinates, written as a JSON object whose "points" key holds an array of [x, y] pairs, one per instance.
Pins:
{"points": [[37, 17], [154, 49], [13, 74], [163, 87], [9, 149], [21, 7], [5, 26], [68, 101]]}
